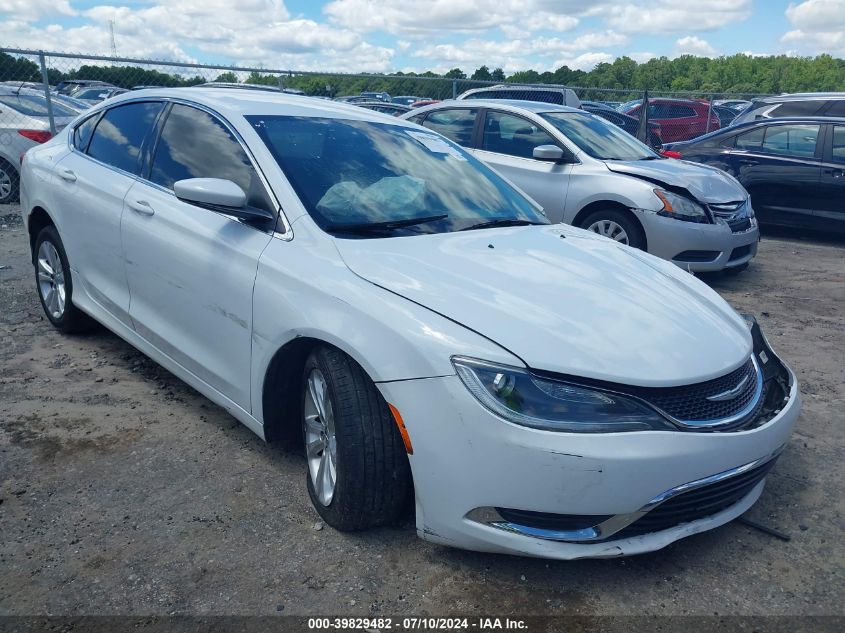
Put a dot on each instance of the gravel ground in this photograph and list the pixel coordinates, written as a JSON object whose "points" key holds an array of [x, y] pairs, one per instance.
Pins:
{"points": [[123, 491]]}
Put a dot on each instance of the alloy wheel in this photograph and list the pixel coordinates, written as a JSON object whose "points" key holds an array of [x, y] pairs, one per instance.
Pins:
{"points": [[610, 229], [5, 184], [51, 279], [320, 440]]}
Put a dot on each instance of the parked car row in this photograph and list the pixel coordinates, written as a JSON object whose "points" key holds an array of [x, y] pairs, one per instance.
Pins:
{"points": [[376, 292]]}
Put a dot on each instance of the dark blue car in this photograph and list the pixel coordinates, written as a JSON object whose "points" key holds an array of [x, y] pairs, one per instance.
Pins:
{"points": [[794, 169]]}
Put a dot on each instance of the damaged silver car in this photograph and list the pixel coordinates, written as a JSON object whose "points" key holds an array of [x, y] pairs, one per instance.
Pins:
{"points": [[589, 173]]}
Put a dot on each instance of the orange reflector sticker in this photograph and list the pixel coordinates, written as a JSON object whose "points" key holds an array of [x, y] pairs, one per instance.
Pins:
{"points": [[400, 424]]}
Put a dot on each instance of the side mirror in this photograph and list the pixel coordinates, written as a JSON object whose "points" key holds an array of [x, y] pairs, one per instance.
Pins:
{"points": [[550, 153], [220, 195]]}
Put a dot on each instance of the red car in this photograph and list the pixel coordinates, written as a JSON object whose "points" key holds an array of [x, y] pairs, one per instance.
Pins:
{"points": [[679, 119]]}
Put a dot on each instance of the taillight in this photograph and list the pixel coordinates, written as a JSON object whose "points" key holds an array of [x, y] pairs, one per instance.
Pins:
{"points": [[668, 153], [39, 136]]}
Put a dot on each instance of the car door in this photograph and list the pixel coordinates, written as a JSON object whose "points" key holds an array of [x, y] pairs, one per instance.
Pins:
{"points": [[507, 142], [92, 182], [191, 270], [779, 164], [830, 211]]}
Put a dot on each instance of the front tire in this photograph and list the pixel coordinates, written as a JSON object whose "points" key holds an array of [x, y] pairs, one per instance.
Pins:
{"points": [[55, 285], [358, 471], [617, 225]]}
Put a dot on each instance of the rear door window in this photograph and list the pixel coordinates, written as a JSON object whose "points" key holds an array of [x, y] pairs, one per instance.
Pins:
{"points": [[836, 108], [751, 141], [120, 134], [838, 153], [455, 124], [680, 112], [791, 140], [799, 108], [512, 135]]}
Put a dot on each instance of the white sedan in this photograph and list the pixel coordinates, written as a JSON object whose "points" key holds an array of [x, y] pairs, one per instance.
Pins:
{"points": [[366, 287]]}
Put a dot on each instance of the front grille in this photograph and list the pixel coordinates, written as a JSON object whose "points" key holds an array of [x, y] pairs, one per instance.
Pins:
{"points": [[736, 214], [697, 504], [689, 403]]}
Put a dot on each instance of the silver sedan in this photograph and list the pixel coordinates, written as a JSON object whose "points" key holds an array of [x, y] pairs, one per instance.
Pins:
{"points": [[587, 172]]}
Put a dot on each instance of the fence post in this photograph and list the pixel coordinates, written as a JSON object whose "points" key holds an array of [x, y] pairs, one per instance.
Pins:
{"points": [[709, 114], [46, 81], [642, 128], [454, 88]]}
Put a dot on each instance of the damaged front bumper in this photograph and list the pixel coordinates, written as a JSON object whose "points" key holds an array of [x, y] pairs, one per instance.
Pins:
{"points": [[482, 483], [699, 247]]}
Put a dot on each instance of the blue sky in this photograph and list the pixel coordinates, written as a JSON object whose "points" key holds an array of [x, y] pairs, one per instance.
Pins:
{"points": [[389, 35]]}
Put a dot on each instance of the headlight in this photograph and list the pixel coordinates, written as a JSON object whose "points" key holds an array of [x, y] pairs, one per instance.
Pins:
{"points": [[680, 208], [523, 398]]}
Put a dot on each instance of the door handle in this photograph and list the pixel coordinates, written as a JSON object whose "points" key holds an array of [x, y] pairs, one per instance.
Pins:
{"points": [[67, 174], [141, 206], [836, 173], [747, 161]]}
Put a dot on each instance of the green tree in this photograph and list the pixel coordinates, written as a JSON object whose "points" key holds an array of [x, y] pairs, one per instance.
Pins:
{"points": [[455, 73], [482, 74], [228, 77]]}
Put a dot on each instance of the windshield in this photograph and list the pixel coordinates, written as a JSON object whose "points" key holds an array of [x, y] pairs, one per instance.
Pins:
{"points": [[32, 105], [371, 173], [91, 93], [598, 138]]}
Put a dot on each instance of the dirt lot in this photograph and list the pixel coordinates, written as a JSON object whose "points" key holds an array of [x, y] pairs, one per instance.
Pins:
{"points": [[123, 491]]}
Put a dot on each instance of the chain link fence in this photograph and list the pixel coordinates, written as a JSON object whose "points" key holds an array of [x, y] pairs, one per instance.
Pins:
{"points": [[41, 92]]}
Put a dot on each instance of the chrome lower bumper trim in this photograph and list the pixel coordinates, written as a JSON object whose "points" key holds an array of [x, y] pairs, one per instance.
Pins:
{"points": [[604, 530]]}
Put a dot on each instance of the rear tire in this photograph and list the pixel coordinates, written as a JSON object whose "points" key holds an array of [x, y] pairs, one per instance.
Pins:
{"points": [[358, 472], [54, 284], [617, 225], [9, 182]]}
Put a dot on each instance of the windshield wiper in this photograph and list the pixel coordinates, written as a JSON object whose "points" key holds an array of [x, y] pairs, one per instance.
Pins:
{"points": [[388, 225], [498, 222]]}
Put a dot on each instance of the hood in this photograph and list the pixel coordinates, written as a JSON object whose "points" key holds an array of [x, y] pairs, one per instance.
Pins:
{"points": [[707, 184], [564, 300]]}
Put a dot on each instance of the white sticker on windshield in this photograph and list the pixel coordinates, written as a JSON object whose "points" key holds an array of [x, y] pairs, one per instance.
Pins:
{"points": [[435, 144]]}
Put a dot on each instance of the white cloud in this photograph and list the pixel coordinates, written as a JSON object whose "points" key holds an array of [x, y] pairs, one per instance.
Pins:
{"points": [[519, 54], [418, 18], [672, 16], [250, 32], [818, 27], [692, 45], [585, 61], [817, 15], [30, 10]]}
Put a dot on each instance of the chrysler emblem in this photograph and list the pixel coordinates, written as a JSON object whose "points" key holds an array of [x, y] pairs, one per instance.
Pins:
{"points": [[730, 394]]}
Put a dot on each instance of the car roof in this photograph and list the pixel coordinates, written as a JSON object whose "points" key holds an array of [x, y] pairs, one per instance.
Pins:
{"points": [[519, 87], [802, 96], [737, 128], [508, 104], [244, 102]]}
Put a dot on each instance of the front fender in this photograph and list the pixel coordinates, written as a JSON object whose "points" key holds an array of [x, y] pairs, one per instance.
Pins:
{"points": [[303, 289], [632, 193]]}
